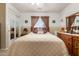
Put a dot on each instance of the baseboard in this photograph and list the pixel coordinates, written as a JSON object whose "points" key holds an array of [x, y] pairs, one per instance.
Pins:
{"points": [[4, 49]]}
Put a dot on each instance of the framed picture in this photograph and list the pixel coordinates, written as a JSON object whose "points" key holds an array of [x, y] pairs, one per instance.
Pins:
{"points": [[53, 21], [26, 21], [61, 20]]}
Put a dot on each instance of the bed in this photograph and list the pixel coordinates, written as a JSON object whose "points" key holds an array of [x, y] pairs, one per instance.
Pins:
{"points": [[38, 45]]}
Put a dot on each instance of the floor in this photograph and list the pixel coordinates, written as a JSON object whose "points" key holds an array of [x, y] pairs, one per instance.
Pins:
{"points": [[3, 52]]}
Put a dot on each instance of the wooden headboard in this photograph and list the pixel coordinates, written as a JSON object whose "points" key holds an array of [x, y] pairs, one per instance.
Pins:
{"points": [[44, 18]]}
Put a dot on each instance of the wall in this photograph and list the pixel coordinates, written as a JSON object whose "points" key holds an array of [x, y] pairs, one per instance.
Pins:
{"points": [[22, 21], [12, 21], [69, 10], [2, 21], [52, 16]]}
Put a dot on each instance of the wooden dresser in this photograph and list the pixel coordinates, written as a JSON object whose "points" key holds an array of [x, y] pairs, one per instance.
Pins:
{"points": [[71, 41]]}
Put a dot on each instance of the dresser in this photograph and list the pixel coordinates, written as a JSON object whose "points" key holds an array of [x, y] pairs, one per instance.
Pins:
{"points": [[71, 41]]}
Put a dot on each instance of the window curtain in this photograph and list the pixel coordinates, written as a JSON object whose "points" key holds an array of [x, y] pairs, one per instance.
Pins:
{"points": [[40, 23], [34, 19], [46, 21]]}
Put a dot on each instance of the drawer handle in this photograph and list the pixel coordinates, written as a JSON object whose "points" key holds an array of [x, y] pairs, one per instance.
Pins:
{"points": [[69, 43], [76, 44]]}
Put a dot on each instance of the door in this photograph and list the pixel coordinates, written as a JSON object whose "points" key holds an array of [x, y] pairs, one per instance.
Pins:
{"points": [[0, 35]]}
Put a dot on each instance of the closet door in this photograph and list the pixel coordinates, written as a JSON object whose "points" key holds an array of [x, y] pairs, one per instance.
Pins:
{"points": [[11, 28], [0, 36]]}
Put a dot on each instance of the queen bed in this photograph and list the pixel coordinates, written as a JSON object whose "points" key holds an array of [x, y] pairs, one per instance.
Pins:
{"points": [[39, 42], [38, 45]]}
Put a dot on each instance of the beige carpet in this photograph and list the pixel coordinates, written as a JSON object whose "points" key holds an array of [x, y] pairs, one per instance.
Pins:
{"points": [[3, 52]]}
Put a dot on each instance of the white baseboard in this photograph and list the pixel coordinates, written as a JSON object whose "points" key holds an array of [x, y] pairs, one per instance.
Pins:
{"points": [[4, 49]]}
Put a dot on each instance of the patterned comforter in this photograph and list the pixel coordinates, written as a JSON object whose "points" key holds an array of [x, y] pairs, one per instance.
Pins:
{"points": [[38, 45]]}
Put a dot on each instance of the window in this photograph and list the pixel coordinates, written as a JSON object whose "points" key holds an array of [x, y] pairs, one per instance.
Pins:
{"points": [[39, 23], [40, 26]]}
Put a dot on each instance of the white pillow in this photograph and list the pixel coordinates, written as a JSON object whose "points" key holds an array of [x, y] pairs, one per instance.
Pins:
{"points": [[40, 31]]}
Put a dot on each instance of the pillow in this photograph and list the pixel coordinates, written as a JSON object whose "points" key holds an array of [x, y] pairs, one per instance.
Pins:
{"points": [[40, 30], [45, 30], [35, 30]]}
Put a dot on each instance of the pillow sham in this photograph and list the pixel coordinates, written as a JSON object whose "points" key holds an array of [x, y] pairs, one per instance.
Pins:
{"points": [[40, 30]]}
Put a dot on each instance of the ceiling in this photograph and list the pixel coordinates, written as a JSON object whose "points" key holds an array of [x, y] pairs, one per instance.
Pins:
{"points": [[41, 7]]}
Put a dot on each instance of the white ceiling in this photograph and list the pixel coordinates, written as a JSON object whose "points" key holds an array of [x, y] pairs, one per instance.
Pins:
{"points": [[42, 7]]}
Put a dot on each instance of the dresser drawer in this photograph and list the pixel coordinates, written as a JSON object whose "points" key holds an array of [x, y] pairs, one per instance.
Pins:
{"points": [[76, 45], [76, 42]]}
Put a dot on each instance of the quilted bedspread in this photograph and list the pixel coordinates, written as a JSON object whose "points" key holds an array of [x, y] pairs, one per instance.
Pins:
{"points": [[38, 45]]}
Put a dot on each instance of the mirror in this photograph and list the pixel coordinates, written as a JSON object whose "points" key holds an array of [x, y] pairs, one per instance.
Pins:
{"points": [[12, 29], [75, 25], [17, 27], [72, 23]]}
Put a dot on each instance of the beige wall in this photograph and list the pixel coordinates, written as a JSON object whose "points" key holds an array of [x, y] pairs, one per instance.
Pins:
{"points": [[52, 16], [2, 21], [69, 10]]}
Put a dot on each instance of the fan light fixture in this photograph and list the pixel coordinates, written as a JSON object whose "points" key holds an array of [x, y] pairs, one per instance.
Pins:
{"points": [[36, 4]]}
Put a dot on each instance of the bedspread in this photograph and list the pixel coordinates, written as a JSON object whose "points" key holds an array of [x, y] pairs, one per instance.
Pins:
{"points": [[38, 45]]}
